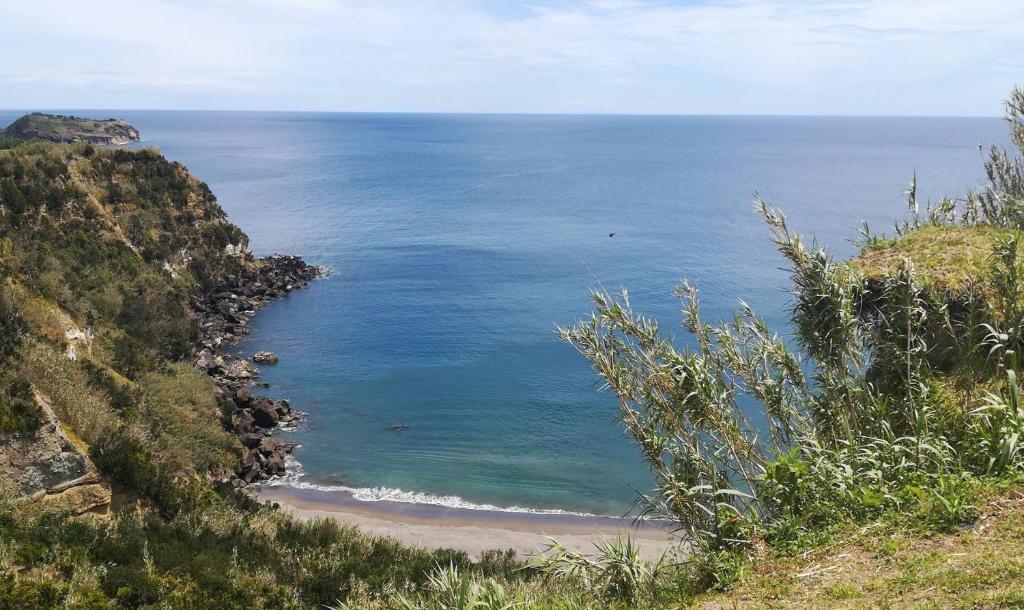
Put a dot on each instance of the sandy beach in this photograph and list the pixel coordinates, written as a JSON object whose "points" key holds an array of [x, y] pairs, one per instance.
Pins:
{"points": [[473, 531]]}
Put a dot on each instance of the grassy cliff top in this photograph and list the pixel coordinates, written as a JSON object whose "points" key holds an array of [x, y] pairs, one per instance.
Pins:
{"points": [[949, 258], [63, 128], [889, 565]]}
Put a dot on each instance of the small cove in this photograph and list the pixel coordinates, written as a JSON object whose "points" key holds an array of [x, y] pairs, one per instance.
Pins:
{"points": [[457, 242]]}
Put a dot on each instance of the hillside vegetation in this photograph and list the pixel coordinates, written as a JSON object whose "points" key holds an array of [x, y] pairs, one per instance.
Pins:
{"points": [[872, 458], [100, 250], [887, 565]]}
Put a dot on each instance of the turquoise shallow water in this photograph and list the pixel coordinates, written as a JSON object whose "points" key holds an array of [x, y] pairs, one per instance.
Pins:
{"points": [[456, 243]]}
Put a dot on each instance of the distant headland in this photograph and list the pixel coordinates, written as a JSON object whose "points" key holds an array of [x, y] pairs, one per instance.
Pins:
{"points": [[64, 128]]}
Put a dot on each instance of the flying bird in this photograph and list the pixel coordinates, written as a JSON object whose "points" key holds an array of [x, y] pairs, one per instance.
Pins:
{"points": [[611, 235]]}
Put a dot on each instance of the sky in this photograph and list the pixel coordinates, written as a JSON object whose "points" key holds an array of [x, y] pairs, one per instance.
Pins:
{"points": [[859, 57]]}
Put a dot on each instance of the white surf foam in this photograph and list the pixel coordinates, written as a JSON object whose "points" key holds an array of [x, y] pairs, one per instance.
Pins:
{"points": [[294, 474]]}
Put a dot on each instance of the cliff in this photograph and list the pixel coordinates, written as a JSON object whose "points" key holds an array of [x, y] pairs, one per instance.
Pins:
{"points": [[63, 128], [100, 250], [117, 267]]}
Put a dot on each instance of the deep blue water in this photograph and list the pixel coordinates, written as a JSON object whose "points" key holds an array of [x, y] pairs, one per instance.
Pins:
{"points": [[457, 242]]}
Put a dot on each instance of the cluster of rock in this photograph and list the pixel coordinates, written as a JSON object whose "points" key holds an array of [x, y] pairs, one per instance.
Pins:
{"points": [[224, 315]]}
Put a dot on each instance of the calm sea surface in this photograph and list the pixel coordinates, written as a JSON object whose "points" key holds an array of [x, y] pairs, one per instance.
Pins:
{"points": [[456, 243]]}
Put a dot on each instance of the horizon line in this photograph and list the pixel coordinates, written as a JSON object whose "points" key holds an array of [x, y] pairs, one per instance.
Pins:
{"points": [[525, 114]]}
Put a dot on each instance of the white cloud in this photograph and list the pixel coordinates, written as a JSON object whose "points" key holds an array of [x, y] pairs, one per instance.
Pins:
{"points": [[874, 55]]}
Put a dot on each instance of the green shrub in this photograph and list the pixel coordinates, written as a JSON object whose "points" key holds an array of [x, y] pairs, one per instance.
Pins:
{"points": [[181, 409], [121, 395], [18, 409], [28, 594]]}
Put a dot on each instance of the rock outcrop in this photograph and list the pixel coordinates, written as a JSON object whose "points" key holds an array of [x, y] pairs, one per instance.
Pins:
{"points": [[46, 466]]}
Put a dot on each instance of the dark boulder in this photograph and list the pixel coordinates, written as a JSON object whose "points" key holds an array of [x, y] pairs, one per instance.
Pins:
{"points": [[268, 445], [251, 440], [265, 415], [275, 463], [251, 468], [243, 396], [282, 407]]}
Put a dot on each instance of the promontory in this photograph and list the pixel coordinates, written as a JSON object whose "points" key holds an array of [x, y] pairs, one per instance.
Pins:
{"points": [[65, 128]]}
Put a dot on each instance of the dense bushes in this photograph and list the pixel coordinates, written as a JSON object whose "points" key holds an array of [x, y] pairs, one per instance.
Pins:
{"points": [[154, 316], [219, 556], [12, 327], [118, 239], [102, 213], [18, 410], [180, 407]]}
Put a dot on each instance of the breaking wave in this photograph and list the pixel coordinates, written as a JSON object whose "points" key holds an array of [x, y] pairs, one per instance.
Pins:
{"points": [[294, 474]]}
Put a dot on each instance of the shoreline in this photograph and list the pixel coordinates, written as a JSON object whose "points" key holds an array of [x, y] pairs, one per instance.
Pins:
{"points": [[223, 314], [470, 530]]}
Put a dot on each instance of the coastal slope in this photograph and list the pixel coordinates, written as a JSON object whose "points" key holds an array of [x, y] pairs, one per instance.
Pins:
{"points": [[99, 252], [122, 266]]}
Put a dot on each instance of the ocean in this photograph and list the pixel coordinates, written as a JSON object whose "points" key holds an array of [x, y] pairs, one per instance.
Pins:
{"points": [[457, 243]]}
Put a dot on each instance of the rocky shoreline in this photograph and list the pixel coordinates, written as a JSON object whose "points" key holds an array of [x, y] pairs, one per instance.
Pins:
{"points": [[223, 315]]}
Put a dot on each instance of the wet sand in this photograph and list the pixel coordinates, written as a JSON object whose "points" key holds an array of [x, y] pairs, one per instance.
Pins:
{"points": [[473, 531]]}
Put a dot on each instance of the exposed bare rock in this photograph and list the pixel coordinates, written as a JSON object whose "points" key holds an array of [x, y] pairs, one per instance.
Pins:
{"points": [[80, 498], [45, 465], [264, 358]]}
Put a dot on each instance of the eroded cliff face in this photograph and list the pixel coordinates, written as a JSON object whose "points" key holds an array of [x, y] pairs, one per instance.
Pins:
{"points": [[62, 128]]}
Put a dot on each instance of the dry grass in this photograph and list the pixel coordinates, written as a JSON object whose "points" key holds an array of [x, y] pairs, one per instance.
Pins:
{"points": [[181, 409], [879, 566], [45, 319], [81, 410]]}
